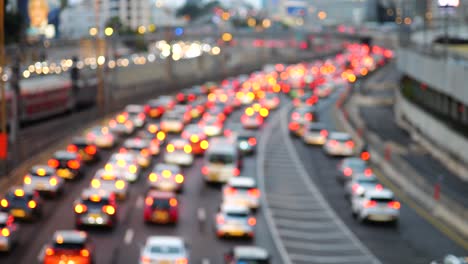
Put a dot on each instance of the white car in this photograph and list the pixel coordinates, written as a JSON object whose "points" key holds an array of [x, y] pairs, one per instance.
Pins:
{"points": [[339, 144], [166, 177], [111, 181], [361, 183], [376, 205], [136, 113], [172, 122], [164, 249], [241, 191], [211, 126], [8, 232], [125, 163], [315, 133], [179, 151], [125, 128], [235, 221], [101, 137], [43, 179]]}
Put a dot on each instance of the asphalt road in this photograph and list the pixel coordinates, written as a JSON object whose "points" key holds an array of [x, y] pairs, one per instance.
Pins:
{"points": [[122, 244], [413, 241]]}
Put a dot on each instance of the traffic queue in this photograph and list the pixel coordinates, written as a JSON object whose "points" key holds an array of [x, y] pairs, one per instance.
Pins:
{"points": [[182, 128]]}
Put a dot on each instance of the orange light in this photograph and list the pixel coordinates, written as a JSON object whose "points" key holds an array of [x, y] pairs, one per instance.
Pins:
{"points": [[170, 148], [5, 232], [132, 169], [120, 184], [153, 128], [80, 208], [173, 202], [41, 172], [153, 177], [27, 180], [252, 221], [161, 135], [4, 203], [249, 111], [49, 252], [108, 209], [264, 112], [204, 144], [53, 163], [53, 181], [95, 198], [181, 261], [73, 164], [149, 201], [32, 204], [187, 149], [179, 178], [95, 183], [84, 253], [194, 138], [166, 173], [19, 193]]}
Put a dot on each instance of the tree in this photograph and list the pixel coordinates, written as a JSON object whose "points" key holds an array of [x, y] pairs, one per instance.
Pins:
{"points": [[196, 10], [115, 23]]}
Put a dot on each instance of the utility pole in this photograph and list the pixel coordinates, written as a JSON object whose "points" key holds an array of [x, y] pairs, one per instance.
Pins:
{"points": [[3, 117], [100, 51]]}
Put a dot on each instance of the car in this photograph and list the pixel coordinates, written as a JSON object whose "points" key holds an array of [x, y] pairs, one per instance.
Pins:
{"points": [[222, 161], [315, 133], [101, 137], [246, 142], [44, 180], [179, 151], [300, 117], [161, 207], [88, 152], [125, 163], [136, 113], [307, 99], [196, 136], [154, 108], [271, 101], [167, 100], [351, 166], [198, 108], [122, 128], [360, 183], [251, 119], [164, 249], [152, 131], [451, 259], [215, 111], [245, 97], [111, 181], [241, 191], [339, 144], [172, 122], [95, 208], [166, 177], [212, 126], [376, 205], [140, 148], [247, 255], [235, 221], [69, 246], [184, 111], [22, 204], [8, 232], [324, 90], [68, 165]]}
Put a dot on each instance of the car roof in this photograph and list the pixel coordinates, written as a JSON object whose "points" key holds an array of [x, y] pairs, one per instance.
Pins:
{"points": [[70, 236], [166, 166], [165, 241], [250, 252], [339, 136], [242, 182], [161, 194], [134, 108], [221, 144], [63, 154], [316, 125], [135, 142], [232, 208], [179, 142], [87, 193], [48, 170], [116, 174], [380, 194], [80, 141]]}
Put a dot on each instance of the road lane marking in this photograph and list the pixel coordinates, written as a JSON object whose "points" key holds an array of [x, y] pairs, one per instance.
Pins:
{"points": [[40, 257], [129, 236], [139, 202], [201, 214], [205, 261]]}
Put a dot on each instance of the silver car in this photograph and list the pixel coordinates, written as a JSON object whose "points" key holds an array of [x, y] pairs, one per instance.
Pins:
{"points": [[164, 249], [166, 177], [43, 179], [376, 205], [241, 191], [235, 221], [361, 183], [339, 144], [111, 181], [125, 163]]}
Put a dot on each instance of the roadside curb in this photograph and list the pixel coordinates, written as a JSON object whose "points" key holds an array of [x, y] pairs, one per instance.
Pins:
{"points": [[455, 225]]}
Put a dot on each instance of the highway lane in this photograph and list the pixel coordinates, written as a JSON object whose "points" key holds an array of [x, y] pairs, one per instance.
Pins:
{"points": [[122, 244], [414, 240]]}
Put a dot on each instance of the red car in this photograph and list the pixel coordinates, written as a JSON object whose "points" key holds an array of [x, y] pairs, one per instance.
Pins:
{"points": [[161, 208], [196, 136]]}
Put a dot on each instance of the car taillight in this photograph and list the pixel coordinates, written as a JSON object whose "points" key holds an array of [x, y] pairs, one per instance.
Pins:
{"points": [[173, 202], [355, 187], [252, 221], [27, 180], [296, 102], [4, 203], [91, 150], [368, 172], [308, 117], [144, 152], [72, 148], [365, 155], [185, 134], [187, 149], [235, 172], [204, 170], [73, 164], [32, 204], [379, 187], [333, 143], [324, 133], [180, 97], [53, 163], [181, 261], [147, 108], [149, 201], [348, 172], [49, 252], [220, 220], [53, 181], [84, 253], [145, 260], [141, 116], [254, 192], [295, 116], [293, 126], [394, 205], [370, 204], [350, 144], [80, 208], [252, 141], [230, 191], [179, 178], [204, 144], [108, 209]]}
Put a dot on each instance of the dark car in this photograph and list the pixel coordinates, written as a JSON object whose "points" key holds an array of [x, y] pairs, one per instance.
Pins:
{"points": [[21, 203], [89, 152], [68, 165]]}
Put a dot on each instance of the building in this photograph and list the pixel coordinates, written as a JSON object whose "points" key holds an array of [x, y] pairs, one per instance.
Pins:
{"points": [[77, 20]]}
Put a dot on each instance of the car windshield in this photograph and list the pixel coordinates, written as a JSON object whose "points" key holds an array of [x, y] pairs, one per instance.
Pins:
{"points": [[92, 204], [236, 214], [69, 246], [165, 250], [357, 165], [382, 200], [221, 158], [160, 204], [18, 200]]}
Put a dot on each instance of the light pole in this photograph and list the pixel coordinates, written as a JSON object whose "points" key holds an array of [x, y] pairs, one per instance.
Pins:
{"points": [[3, 117], [447, 6], [100, 60]]}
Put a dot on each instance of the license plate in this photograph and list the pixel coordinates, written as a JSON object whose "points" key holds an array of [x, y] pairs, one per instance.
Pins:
{"points": [[63, 173], [236, 233], [41, 186], [94, 216], [167, 186], [18, 213], [164, 262], [161, 216]]}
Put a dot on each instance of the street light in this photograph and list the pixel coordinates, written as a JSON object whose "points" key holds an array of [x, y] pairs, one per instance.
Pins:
{"points": [[93, 31], [109, 31]]}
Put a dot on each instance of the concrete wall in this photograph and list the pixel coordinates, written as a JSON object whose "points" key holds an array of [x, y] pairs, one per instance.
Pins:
{"points": [[449, 77]]}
